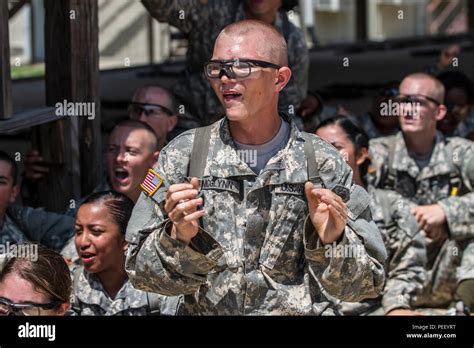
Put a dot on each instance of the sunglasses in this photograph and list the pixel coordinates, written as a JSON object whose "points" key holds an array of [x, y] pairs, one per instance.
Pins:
{"points": [[237, 68], [136, 109], [28, 309], [417, 98]]}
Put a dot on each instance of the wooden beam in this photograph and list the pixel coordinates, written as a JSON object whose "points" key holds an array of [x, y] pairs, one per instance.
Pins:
{"points": [[72, 75], [17, 7], [5, 78], [25, 119]]}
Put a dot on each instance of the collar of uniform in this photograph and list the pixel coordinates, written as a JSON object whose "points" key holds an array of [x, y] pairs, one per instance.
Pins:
{"points": [[91, 291], [10, 230], [287, 166], [438, 164]]}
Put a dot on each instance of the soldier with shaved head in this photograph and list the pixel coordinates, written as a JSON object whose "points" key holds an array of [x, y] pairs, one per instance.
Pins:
{"points": [[437, 175], [241, 234], [201, 21]]}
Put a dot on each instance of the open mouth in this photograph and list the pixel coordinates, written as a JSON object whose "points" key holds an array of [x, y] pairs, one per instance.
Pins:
{"points": [[121, 174], [231, 96], [87, 257]]}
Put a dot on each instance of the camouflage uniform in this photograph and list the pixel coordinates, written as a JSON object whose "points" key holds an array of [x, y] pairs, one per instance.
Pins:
{"points": [[434, 184], [406, 250], [22, 224], [69, 250], [257, 251], [90, 298], [203, 21]]}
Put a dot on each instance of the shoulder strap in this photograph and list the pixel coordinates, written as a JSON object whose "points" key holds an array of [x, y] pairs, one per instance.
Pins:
{"points": [[455, 181], [154, 303], [310, 158], [197, 161]]}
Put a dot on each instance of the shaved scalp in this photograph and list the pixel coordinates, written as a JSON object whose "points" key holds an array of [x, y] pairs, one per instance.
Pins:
{"points": [[273, 44], [135, 124], [437, 88], [158, 89]]}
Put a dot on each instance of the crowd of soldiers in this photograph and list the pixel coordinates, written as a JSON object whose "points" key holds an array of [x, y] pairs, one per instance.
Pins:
{"points": [[257, 212]]}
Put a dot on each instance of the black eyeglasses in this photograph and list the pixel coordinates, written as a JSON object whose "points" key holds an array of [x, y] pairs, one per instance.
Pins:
{"points": [[416, 98], [236, 68], [135, 110], [28, 309]]}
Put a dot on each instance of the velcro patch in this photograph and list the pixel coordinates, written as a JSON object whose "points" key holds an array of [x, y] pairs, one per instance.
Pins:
{"points": [[220, 184], [152, 182], [292, 189]]}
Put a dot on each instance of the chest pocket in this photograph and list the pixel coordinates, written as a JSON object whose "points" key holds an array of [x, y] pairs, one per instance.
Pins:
{"points": [[286, 234], [222, 202]]}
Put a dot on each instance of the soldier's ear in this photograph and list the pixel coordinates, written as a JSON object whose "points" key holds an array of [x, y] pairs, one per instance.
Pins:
{"points": [[124, 245], [172, 122], [441, 113], [362, 156], [63, 308], [155, 157], [283, 77], [14, 194]]}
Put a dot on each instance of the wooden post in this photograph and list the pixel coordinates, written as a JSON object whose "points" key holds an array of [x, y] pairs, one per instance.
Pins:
{"points": [[470, 16], [361, 19], [72, 146], [5, 79]]}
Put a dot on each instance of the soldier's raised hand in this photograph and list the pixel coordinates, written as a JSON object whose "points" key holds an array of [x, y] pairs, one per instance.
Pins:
{"points": [[181, 206], [327, 211]]}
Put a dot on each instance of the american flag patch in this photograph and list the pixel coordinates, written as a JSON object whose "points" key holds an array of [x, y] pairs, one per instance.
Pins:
{"points": [[152, 182]]}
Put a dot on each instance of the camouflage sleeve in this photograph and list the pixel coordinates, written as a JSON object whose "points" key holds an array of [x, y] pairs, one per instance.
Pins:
{"points": [[351, 269], [51, 229], [296, 89], [459, 209], [156, 262], [407, 257], [179, 13], [466, 269]]}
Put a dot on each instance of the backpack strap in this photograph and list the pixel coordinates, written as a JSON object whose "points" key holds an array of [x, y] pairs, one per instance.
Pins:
{"points": [[154, 303], [455, 181], [197, 161], [310, 159]]}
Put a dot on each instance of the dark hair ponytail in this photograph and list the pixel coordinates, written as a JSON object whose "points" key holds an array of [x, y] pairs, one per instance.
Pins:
{"points": [[355, 133], [118, 205]]}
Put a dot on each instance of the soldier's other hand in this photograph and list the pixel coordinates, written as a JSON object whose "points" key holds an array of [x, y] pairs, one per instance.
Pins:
{"points": [[401, 311], [181, 206], [309, 106], [34, 169], [438, 233], [327, 211], [429, 216]]}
